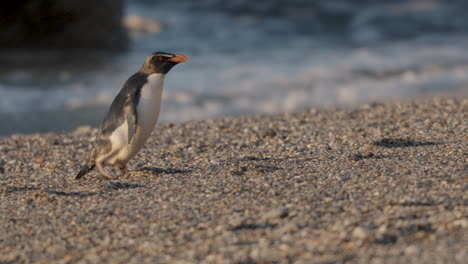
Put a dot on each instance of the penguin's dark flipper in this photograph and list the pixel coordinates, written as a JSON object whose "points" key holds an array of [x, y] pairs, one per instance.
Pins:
{"points": [[130, 116], [130, 113]]}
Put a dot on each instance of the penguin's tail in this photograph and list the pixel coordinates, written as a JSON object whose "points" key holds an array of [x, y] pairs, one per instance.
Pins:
{"points": [[85, 169]]}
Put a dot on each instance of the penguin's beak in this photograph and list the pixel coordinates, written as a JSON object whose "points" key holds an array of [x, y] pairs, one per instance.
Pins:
{"points": [[178, 58]]}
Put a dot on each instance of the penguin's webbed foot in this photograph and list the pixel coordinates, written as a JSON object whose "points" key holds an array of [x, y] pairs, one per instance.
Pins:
{"points": [[123, 171], [104, 173]]}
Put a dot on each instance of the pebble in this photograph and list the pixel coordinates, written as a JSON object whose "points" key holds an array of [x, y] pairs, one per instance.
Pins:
{"points": [[288, 228], [412, 250], [82, 130], [275, 214], [361, 233]]}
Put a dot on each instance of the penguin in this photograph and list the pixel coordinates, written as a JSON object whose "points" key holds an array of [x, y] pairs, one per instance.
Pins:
{"points": [[131, 117]]}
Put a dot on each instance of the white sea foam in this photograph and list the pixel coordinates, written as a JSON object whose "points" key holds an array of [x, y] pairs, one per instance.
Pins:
{"points": [[249, 85]]}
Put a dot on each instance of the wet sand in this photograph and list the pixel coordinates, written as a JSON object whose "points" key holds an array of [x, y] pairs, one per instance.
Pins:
{"points": [[384, 183]]}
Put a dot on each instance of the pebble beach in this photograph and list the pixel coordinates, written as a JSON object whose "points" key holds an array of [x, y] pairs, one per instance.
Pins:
{"points": [[381, 183]]}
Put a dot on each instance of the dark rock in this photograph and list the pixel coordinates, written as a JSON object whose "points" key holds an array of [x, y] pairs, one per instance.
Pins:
{"points": [[2, 166], [71, 24], [268, 133], [250, 226], [386, 239]]}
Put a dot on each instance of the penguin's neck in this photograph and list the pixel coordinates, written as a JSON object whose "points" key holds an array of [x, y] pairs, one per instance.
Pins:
{"points": [[154, 87]]}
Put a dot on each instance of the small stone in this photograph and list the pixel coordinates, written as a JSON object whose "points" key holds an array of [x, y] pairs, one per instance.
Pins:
{"points": [[2, 166], [288, 228], [460, 223], [412, 250], [82, 130], [268, 133], [356, 157], [236, 221], [284, 247], [275, 214], [361, 233]]}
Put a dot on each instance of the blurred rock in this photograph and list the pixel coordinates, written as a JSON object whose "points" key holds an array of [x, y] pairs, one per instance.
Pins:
{"points": [[82, 130], [56, 24]]}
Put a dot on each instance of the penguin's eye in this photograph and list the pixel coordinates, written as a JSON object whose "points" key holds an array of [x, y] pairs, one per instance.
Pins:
{"points": [[162, 59]]}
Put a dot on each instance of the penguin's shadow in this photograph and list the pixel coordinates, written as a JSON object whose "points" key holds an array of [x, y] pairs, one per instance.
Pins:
{"points": [[164, 171], [402, 142]]}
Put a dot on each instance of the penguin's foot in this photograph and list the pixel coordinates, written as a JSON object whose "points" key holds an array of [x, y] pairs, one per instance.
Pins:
{"points": [[123, 171], [104, 174]]}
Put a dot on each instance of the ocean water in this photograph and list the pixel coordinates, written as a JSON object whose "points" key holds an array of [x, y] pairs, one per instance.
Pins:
{"points": [[249, 57]]}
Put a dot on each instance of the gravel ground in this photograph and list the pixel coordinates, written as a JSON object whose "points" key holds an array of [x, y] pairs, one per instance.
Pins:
{"points": [[385, 183]]}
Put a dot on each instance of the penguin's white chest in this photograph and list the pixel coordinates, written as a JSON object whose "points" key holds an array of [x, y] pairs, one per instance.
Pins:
{"points": [[148, 107], [147, 110]]}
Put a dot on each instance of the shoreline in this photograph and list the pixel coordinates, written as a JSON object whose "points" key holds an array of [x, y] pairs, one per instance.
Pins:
{"points": [[68, 120], [384, 183]]}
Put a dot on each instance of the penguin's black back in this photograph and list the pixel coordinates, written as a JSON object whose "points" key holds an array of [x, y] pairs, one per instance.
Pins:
{"points": [[126, 100], [116, 115]]}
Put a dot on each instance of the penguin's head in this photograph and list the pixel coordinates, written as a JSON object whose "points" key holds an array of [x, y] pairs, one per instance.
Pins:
{"points": [[161, 62]]}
